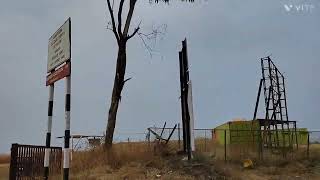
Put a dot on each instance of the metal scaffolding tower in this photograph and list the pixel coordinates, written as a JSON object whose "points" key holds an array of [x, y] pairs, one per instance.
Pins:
{"points": [[276, 112]]}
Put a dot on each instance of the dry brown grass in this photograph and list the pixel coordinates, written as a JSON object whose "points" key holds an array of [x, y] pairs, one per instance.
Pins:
{"points": [[4, 166], [121, 154], [296, 165], [4, 158], [134, 160], [4, 171], [140, 160], [137, 161]]}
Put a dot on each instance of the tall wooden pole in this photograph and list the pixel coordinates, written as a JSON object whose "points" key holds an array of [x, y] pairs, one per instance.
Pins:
{"points": [[182, 99], [185, 93]]}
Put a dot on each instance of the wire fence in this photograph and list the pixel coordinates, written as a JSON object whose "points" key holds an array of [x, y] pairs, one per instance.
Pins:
{"points": [[237, 145]]}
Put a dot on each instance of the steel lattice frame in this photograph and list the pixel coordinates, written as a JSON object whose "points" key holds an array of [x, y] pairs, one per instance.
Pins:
{"points": [[276, 111]]}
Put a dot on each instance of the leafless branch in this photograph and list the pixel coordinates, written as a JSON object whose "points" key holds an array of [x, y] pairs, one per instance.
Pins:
{"points": [[119, 18], [134, 32], [149, 40], [127, 80], [129, 17], [109, 26], [113, 22], [149, 49]]}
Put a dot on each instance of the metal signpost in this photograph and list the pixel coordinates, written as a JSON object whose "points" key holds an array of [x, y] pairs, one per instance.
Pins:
{"points": [[59, 52]]}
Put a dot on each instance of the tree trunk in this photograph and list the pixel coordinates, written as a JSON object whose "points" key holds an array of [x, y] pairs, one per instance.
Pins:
{"points": [[116, 92]]}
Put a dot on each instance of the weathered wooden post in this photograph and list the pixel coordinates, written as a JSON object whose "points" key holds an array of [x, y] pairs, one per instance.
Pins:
{"points": [[182, 99], [179, 141], [13, 162], [186, 102]]}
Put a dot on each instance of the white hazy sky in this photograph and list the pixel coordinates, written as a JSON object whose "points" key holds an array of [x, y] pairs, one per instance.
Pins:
{"points": [[226, 38]]}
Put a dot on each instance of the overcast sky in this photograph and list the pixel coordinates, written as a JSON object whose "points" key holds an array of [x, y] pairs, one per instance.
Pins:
{"points": [[226, 39]]}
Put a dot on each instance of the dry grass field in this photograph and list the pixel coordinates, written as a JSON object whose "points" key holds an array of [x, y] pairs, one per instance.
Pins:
{"points": [[139, 160], [4, 166], [143, 161], [133, 161]]}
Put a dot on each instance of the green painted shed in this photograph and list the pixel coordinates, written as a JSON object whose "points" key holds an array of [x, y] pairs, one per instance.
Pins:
{"points": [[242, 132]]}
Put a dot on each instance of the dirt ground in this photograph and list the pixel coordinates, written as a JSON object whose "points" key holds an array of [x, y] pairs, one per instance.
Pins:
{"points": [[203, 168], [305, 170], [135, 161], [175, 168]]}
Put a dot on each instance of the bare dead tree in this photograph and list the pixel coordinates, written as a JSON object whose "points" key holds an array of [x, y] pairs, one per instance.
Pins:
{"points": [[122, 36]]}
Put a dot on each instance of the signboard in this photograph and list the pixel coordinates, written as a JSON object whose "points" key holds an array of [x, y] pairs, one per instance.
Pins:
{"points": [[60, 73], [59, 46], [190, 109], [59, 52]]}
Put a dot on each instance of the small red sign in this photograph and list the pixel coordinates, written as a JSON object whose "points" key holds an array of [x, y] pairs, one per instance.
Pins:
{"points": [[58, 74]]}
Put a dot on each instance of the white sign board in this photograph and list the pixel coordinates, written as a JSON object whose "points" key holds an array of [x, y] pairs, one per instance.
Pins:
{"points": [[59, 47], [191, 115]]}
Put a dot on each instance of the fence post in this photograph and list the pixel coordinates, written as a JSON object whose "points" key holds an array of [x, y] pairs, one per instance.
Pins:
{"points": [[225, 145], [205, 140], [179, 141], [212, 134], [261, 144], [13, 162], [295, 130], [308, 145], [148, 138]]}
